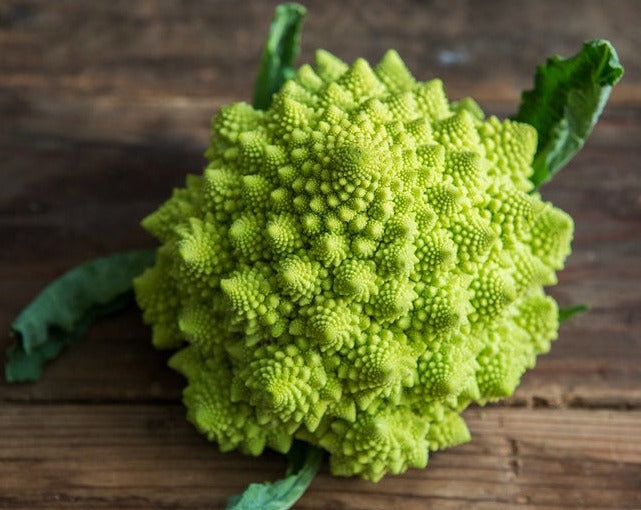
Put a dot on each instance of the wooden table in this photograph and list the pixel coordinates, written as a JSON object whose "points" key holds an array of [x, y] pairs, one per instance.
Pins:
{"points": [[105, 106]]}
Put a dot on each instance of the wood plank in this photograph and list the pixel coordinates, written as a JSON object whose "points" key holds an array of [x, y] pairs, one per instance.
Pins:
{"points": [[211, 48], [142, 456]]}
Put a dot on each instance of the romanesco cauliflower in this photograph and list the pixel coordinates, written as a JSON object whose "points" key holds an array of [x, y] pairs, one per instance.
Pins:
{"points": [[355, 266]]}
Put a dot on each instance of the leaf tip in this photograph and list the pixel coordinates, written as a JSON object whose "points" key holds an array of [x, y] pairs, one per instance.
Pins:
{"points": [[568, 97], [280, 51], [611, 70], [571, 311]]}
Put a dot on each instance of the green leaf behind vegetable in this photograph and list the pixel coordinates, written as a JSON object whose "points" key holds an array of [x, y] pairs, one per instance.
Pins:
{"points": [[67, 307], [303, 464], [279, 54], [569, 312], [566, 102]]}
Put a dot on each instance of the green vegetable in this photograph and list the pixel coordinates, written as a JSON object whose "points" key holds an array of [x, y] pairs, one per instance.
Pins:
{"points": [[566, 102], [357, 264], [281, 495], [64, 311]]}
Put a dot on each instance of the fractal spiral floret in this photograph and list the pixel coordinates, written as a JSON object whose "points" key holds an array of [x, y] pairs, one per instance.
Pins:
{"points": [[356, 265]]}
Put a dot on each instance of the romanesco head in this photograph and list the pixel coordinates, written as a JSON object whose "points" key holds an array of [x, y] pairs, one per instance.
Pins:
{"points": [[355, 266]]}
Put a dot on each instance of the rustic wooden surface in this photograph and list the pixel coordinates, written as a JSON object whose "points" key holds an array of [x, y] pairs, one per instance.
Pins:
{"points": [[104, 107]]}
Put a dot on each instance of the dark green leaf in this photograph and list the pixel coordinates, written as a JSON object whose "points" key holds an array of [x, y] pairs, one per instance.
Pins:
{"points": [[67, 307], [304, 461], [571, 311], [566, 102], [279, 54]]}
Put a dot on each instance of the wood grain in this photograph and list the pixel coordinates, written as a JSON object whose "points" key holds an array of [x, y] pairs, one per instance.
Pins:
{"points": [[105, 106], [146, 456]]}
